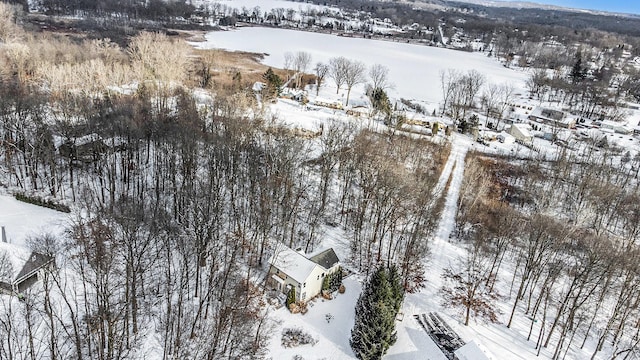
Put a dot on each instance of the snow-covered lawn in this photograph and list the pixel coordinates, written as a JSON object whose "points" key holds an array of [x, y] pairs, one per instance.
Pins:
{"points": [[328, 321], [22, 220]]}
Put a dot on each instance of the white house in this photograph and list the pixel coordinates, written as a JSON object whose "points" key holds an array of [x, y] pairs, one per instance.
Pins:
{"points": [[291, 269], [22, 267], [521, 132]]}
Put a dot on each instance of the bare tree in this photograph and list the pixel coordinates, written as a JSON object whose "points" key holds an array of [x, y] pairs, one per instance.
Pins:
{"points": [[448, 83], [321, 70], [301, 63], [379, 75], [354, 74], [288, 63], [506, 93], [337, 71], [489, 100], [468, 288]]}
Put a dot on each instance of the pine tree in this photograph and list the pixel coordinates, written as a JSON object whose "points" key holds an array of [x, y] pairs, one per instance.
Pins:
{"points": [[577, 72], [397, 289], [326, 283], [376, 310], [274, 84]]}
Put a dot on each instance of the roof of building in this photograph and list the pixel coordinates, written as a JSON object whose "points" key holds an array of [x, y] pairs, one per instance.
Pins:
{"points": [[17, 256], [292, 263], [35, 262], [473, 351], [22, 261], [523, 129], [327, 258]]}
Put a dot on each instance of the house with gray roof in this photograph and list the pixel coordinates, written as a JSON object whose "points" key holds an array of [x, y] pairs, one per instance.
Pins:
{"points": [[292, 269], [20, 268]]}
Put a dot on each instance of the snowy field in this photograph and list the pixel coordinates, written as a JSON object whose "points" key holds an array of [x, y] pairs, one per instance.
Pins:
{"points": [[22, 220], [414, 69]]}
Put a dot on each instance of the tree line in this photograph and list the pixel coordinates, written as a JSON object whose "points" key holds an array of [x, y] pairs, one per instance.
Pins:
{"points": [[558, 241]]}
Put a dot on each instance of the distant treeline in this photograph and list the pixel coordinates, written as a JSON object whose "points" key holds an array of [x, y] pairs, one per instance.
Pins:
{"points": [[150, 9]]}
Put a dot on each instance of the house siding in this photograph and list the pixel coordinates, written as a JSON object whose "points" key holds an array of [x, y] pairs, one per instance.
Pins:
{"points": [[287, 281]]}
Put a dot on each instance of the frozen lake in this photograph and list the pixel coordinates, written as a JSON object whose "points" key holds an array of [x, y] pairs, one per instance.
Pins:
{"points": [[414, 69]]}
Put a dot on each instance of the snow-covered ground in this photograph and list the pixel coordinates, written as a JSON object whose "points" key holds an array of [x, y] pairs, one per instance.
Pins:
{"points": [[328, 321], [22, 220], [414, 69]]}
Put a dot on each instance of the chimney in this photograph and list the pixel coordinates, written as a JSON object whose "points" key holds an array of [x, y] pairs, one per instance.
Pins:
{"points": [[4, 235]]}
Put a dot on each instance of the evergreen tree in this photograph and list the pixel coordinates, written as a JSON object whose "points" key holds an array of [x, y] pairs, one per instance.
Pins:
{"points": [[326, 282], [274, 84], [374, 329], [380, 101], [577, 71], [397, 289]]}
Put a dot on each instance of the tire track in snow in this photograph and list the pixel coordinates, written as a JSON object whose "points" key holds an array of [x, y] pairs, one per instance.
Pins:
{"points": [[442, 253]]}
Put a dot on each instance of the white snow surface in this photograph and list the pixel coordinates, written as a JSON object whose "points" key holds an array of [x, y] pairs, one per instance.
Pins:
{"points": [[328, 321], [473, 351], [22, 220], [414, 69]]}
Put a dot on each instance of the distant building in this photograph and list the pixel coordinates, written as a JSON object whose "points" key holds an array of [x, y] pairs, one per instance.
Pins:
{"points": [[332, 104], [552, 117], [618, 127], [521, 132]]}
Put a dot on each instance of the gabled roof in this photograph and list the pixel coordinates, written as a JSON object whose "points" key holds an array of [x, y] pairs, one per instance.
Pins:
{"points": [[17, 256], [292, 263], [327, 259], [23, 263], [35, 262]]}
